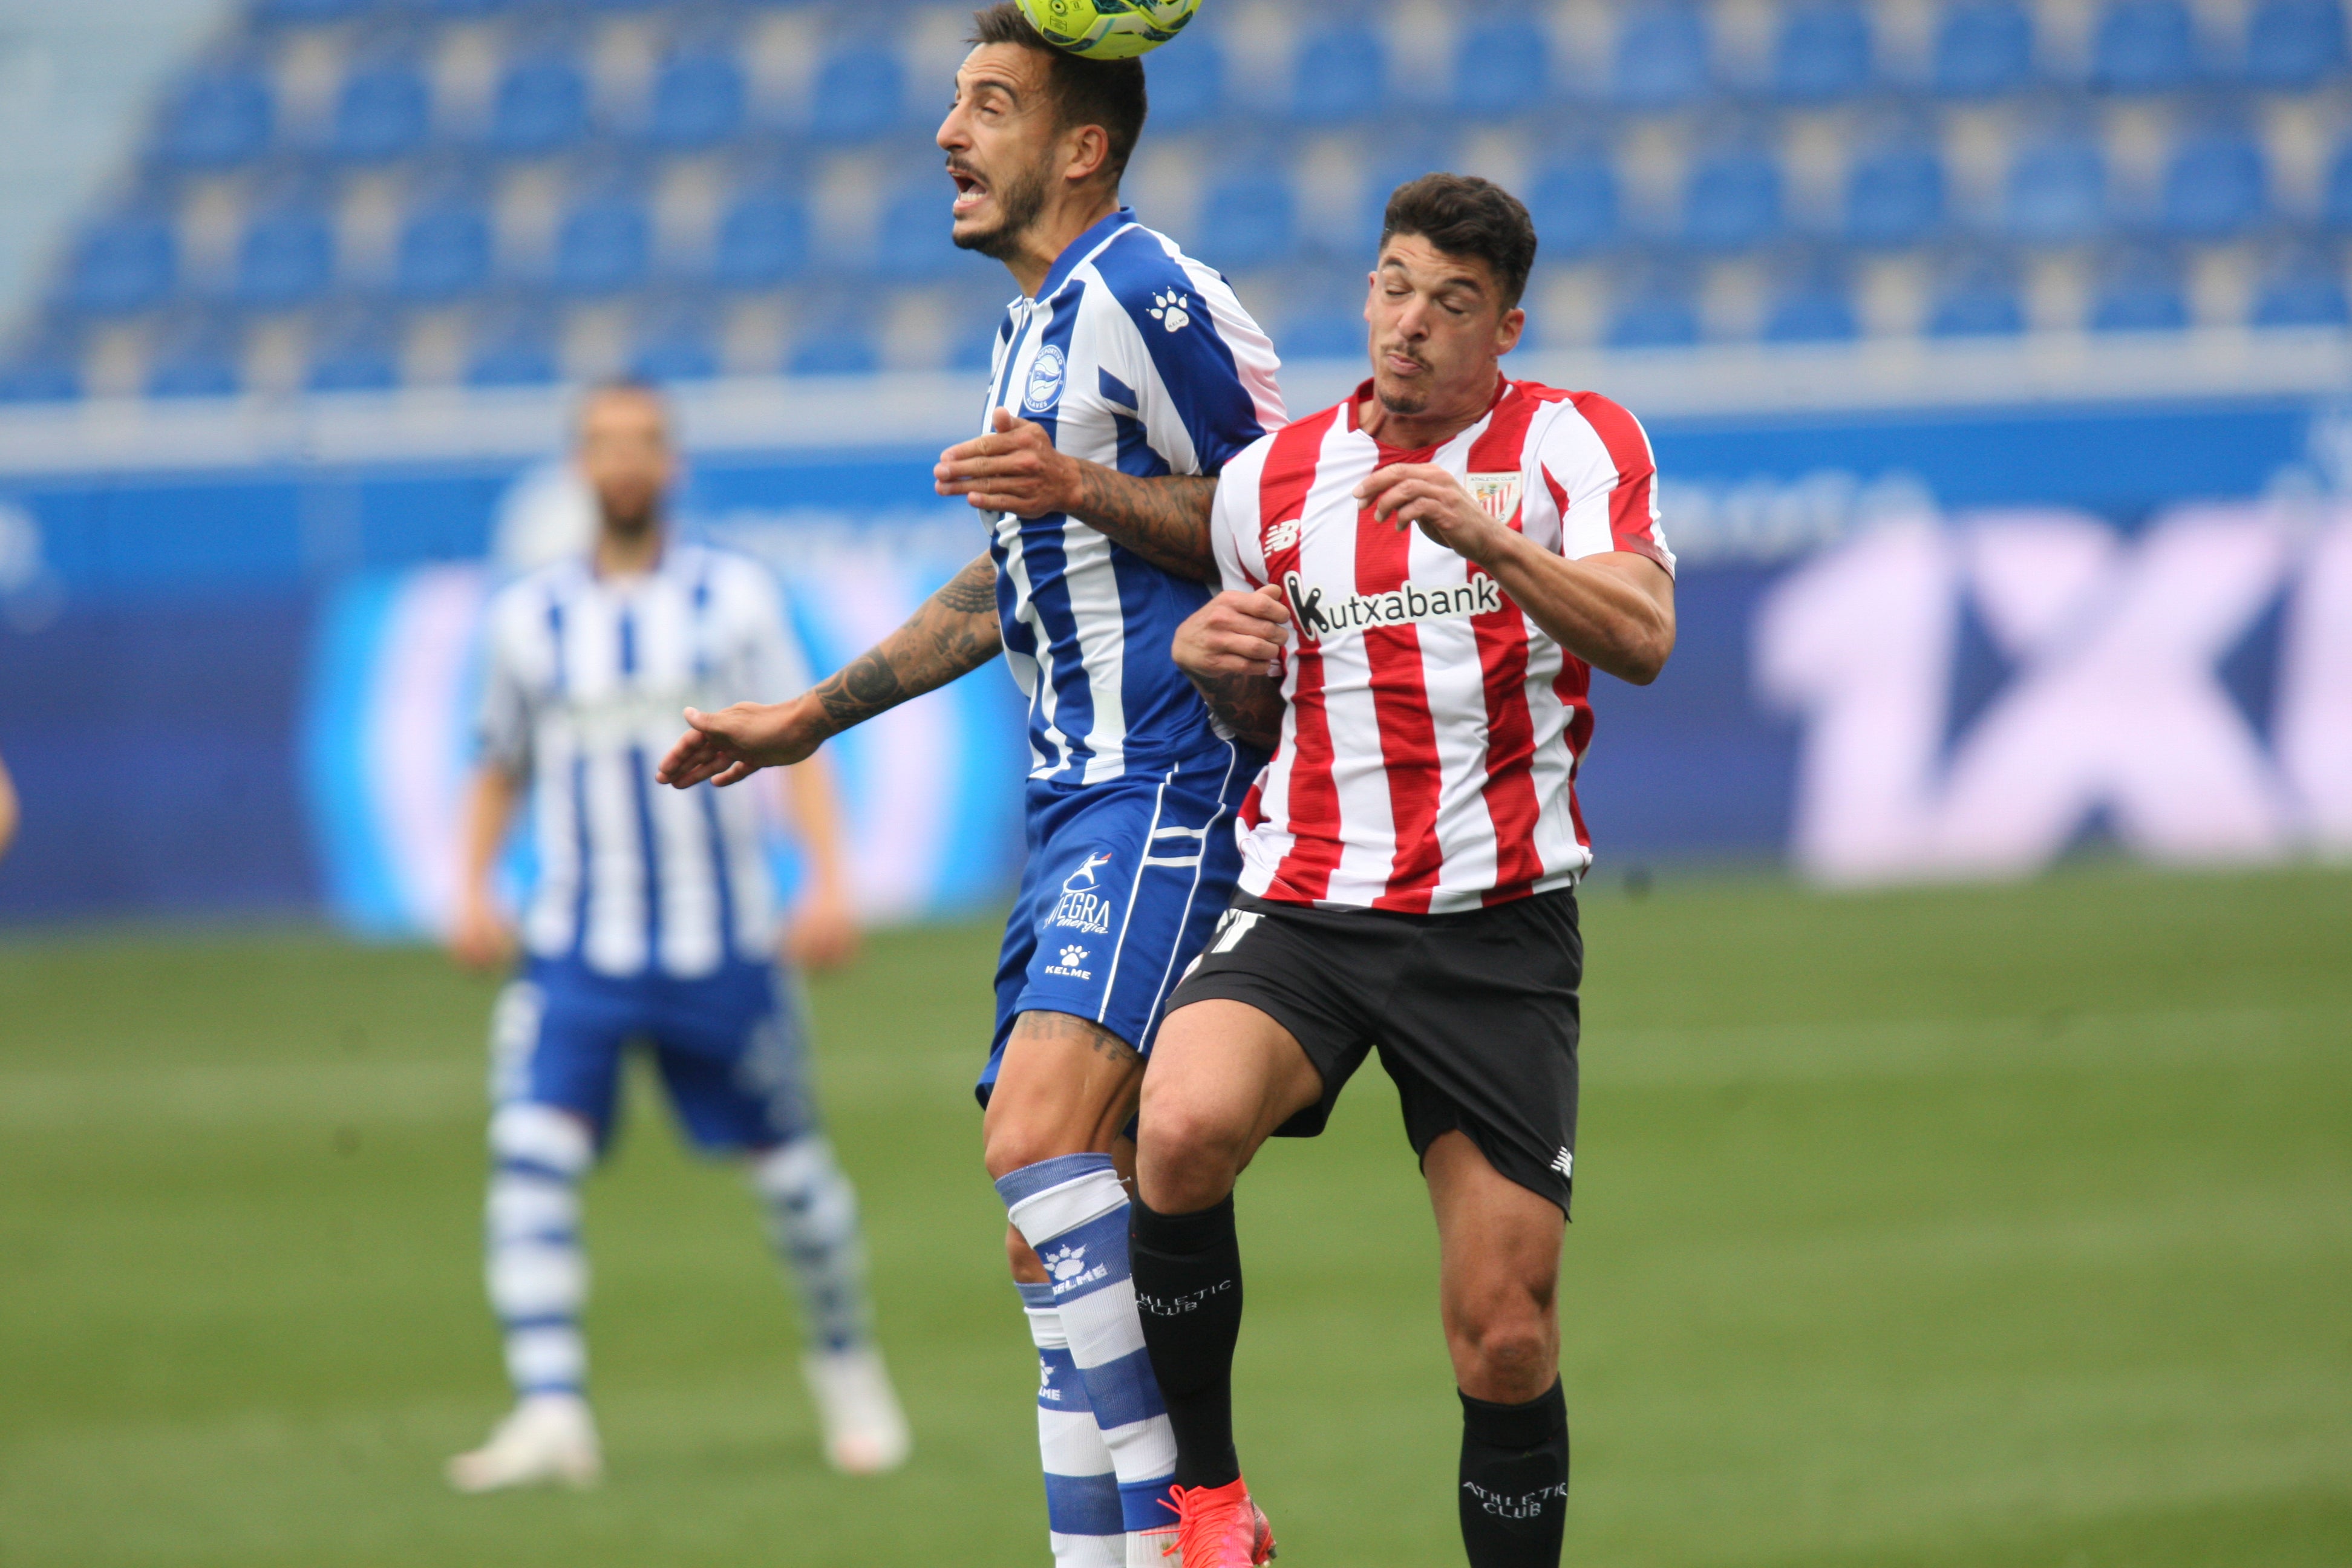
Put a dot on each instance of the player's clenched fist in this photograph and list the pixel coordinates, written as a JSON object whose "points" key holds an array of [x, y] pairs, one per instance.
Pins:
{"points": [[735, 742], [1014, 469], [1235, 633]]}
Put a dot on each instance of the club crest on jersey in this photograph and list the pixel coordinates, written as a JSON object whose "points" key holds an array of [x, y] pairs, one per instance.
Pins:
{"points": [[1497, 495], [1319, 616], [1044, 379], [1081, 906]]}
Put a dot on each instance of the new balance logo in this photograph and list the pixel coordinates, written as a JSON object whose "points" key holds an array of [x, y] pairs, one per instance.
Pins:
{"points": [[1481, 595], [1282, 535], [1565, 1163], [1231, 926]]}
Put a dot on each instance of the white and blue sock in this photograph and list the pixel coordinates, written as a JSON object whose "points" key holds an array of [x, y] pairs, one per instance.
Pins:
{"points": [[812, 1219], [537, 1273], [1073, 1211], [1082, 1511]]}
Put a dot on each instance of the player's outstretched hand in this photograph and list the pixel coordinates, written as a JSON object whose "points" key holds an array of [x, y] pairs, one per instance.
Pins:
{"points": [[478, 938], [731, 745], [1235, 633], [1014, 468], [823, 934], [1426, 494]]}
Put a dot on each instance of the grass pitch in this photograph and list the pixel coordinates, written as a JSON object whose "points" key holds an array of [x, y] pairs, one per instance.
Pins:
{"points": [[1979, 1227]]}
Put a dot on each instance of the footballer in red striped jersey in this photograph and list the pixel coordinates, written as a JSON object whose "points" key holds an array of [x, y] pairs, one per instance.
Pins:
{"points": [[1419, 584]]}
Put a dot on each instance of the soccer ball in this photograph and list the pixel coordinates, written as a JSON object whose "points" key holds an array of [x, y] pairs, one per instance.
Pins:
{"points": [[1108, 29]]}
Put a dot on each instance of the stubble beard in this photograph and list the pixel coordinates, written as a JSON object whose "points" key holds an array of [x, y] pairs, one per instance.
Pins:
{"points": [[1021, 200]]}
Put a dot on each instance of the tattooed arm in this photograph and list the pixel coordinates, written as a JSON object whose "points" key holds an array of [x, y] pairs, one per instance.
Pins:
{"points": [[1017, 469], [954, 633], [1232, 647]]}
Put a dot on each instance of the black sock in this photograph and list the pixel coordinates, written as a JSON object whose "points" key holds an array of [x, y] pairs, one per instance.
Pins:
{"points": [[1187, 1290], [1515, 1481]]}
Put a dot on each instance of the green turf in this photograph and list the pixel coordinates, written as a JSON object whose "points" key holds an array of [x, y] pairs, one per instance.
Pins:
{"points": [[1980, 1227]]}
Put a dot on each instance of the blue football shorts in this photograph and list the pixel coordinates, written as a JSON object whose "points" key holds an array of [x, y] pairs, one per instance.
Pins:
{"points": [[730, 1048], [1124, 881]]}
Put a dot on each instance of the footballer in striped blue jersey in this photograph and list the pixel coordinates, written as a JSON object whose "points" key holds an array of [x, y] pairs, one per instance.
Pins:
{"points": [[1123, 378], [652, 922]]}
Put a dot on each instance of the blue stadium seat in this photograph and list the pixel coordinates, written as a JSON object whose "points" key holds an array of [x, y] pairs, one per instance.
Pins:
{"points": [[288, 254], [2139, 291], [1574, 203], [1662, 56], [197, 355], [1976, 297], [603, 244], [2336, 196], [384, 111], [1186, 85], [445, 248], [2215, 185], [912, 243], [1502, 66], [1823, 52], [1814, 306], [2144, 46], [1733, 199], [122, 263], [972, 331], [697, 99], [1251, 219], [1328, 331], [1339, 73], [220, 117], [515, 347], [1895, 196], [763, 239], [541, 104], [675, 341], [1984, 46], [837, 345], [354, 351], [2058, 190], [2302, 288], [1410, 158], [314, 10], [1649, 318], [43, 366], [2295, 43], [860, 92]]}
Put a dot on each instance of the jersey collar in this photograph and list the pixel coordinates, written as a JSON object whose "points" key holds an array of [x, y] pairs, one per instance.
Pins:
{"points": [[1085, 246]]}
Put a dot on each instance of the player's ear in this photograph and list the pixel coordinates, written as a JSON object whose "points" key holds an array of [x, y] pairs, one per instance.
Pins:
{"points": [[1086, 153], [1507, 331]]}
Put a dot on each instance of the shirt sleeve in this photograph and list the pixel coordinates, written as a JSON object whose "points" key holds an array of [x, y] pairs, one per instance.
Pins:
{"points": [[502, 720], [1596, 462], [1233, 523], [1198, 361]]}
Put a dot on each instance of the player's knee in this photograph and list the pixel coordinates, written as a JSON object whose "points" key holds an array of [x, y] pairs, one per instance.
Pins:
{"points": [[1505, 1347], [541, 1136], [1010, 1141], [1187, 1155]]}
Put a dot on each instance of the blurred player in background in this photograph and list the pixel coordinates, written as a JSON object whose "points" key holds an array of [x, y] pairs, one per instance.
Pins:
{"points": [[7, 809], [653, 921], [1125, 376], [1419, 584]]}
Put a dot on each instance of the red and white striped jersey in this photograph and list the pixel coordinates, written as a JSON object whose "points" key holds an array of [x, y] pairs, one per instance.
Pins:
{"points": [[1430, 745]]}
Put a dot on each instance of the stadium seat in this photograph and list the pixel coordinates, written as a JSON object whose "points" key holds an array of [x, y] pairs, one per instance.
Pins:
{"points": [[1186, 85], [515, 347], [697, 99], [1895, 196], [196, 355], [1339, 73], [1502, 66], [354, 351], [2302, 288], [1984, 47], [1976, 297], [1733, 199], [838, 346], [2144, 46], [42, 365], [1574, 203], [675, 341], [2295, 43], [2138, 291], [2215, 185], [1662, 56], [1651, 310], [1823, 52], [1327, 333], [314, 10], [972, 333], [541, 105], [122, 263], [763, 240], [912, 243], [1408, 158], [604, 243], [444, 249], [2057, 190], [220, 117], [384, 111], [859, 93], [1812, 304], [1252, 216], [288, 254]]}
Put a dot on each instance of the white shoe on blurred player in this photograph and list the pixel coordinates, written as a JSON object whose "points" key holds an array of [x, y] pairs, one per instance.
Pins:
{"points": [[547, 1439], [865, 1429]]}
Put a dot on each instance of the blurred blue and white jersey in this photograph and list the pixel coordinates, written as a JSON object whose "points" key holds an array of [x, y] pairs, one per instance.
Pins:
{"points": [[583, 679], [1135, 356]]}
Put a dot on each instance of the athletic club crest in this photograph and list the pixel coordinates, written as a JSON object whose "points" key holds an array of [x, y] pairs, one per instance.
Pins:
{"points": [[1497, 495]]}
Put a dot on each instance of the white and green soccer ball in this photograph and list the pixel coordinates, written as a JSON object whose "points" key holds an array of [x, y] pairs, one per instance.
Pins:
{"points": [[1108, 29]]}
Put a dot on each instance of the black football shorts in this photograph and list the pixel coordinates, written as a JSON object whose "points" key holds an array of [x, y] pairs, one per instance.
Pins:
{"points": [[1474, 1017]]}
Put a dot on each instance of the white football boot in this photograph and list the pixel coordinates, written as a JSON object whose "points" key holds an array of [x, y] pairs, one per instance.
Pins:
{"points": [[865, 1429], [548, 1439]]}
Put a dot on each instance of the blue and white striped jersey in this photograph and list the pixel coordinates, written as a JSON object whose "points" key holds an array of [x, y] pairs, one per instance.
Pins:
{"points": [[583, 680], [1135, 356]]}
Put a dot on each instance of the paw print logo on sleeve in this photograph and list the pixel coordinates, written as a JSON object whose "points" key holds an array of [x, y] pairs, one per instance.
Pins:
{"points": [[1170, 310]]}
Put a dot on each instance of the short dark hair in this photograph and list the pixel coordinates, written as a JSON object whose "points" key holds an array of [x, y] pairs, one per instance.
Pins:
{"points": [[1108, 93], [1463, 214]]}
